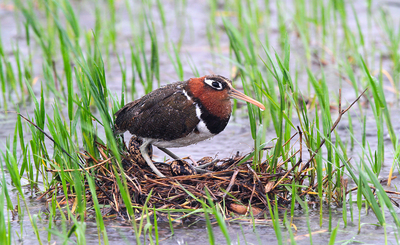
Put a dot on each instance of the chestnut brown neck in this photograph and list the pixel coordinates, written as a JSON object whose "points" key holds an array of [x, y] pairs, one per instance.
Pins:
{"points": [[215, 106], [216, 102]]}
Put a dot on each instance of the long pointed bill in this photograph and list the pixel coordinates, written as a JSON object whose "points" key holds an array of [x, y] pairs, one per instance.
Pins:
{"points": [[238, 95]]}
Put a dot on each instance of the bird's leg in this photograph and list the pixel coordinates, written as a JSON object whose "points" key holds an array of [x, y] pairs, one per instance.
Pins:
{"points": [[168, 152], [207, 164], [145, 154]]}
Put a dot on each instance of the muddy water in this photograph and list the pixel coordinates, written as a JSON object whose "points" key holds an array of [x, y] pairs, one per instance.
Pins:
{"points": [[236, 137]]}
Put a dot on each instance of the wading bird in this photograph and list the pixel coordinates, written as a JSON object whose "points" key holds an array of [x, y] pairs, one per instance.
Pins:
{"points": [[180, 114]]}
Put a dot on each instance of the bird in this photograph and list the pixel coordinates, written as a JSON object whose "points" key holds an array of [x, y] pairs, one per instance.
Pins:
{"points": [[180, 114]]}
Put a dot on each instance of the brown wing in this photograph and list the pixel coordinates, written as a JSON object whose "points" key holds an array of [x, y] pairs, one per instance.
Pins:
{"points": [[131, 110], [165, 113]]}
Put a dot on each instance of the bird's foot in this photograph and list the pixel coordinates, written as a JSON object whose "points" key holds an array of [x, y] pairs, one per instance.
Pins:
{"points": [[181, 167], [207, 164], [195, 164]]}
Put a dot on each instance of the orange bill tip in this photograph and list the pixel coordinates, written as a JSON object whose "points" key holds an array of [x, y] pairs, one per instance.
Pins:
{"points": [[238, 95]]}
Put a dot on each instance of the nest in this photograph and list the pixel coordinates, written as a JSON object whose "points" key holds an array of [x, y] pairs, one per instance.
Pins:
{"points": [[234, 181], [229, 180]]}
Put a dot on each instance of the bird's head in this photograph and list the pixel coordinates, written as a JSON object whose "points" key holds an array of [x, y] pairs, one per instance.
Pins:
{"points": [[215, 92]]}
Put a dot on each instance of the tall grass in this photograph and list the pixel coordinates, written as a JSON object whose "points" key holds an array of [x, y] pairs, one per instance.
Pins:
{"points": [[71, 101]]}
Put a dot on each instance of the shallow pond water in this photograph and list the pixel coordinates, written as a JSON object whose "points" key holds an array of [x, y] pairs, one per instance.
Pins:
{"points": [[236, 137]]}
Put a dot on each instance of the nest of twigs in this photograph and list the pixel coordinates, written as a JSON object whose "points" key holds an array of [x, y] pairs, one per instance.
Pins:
{"points": [[229, 180], [233, 181]]}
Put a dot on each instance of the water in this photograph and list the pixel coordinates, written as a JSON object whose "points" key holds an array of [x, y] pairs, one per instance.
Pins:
{"points": [[236, 137]]}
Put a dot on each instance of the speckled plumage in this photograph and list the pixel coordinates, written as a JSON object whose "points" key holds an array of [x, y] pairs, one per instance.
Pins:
{"points": [[162, 114], [170, 114]]}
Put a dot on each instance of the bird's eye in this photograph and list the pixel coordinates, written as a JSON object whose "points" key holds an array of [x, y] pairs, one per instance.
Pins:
{"points": [[215, 84]]}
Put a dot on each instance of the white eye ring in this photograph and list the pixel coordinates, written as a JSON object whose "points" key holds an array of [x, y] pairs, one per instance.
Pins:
{"points": [[214, 84]]}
